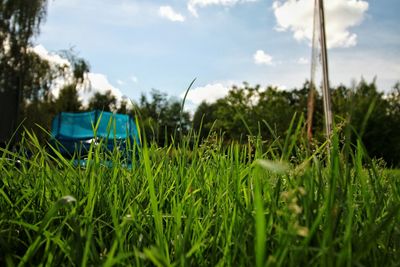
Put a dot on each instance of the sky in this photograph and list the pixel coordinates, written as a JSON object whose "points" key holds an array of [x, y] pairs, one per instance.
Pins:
{"points": [[134, 46]]}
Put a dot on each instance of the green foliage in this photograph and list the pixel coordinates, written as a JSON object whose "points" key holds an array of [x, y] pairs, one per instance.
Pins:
{"points": [[204, 118], [250, 111], [266, 111], [19, 22], [105, 102], [374, 115], [68, 99], [38, 106], [204, 206], [162, 120], [25, 77]]}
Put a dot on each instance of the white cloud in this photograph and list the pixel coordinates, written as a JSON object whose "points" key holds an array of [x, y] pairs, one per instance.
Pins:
{"points": [[53, 58], [262, 58], [98, 82], [297, 16], [208, 93], [120, 82], [170, 14], [55, 61], [134, 79], [303, 61], [279, 87], [194, 4]]}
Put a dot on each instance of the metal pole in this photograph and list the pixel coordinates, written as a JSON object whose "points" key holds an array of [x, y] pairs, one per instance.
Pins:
{"points": [[325, 88]]}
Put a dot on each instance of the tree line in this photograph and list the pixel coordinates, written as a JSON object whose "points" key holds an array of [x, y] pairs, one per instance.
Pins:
{"points": [[26, 80], [245, 112], [367, 113]]}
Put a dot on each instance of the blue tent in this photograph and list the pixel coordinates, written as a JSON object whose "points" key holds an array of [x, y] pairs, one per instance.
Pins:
{"points": [[74, 132]]}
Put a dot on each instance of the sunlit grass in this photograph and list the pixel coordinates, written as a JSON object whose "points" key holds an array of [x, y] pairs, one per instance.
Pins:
{"points": [[201, 204]]}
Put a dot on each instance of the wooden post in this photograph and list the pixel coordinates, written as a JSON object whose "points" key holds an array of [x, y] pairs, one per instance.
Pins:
{"points": [[325, 88], [311, 90], [310, 111]]}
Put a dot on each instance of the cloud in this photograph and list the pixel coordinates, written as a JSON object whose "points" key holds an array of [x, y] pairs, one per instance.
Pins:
{"points": [[53, 58], [55, 62], [281, 87], [120, 82], [134, 79], [98, 82], [262, 58], [208, 93], [170, 14], [303, 61], [194, 4], [297, 16]]}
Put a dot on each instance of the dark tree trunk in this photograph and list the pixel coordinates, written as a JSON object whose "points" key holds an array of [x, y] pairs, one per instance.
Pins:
{"points": [[9, 102]]}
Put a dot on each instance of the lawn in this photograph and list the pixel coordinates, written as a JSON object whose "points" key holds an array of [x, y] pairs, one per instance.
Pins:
{"points": [[203, 204]]}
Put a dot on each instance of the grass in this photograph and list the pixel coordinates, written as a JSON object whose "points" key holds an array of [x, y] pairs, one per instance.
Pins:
{"points": [[208, 205]]}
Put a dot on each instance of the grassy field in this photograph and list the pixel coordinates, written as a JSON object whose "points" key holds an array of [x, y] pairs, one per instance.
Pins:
{"points": [[208, 205]]}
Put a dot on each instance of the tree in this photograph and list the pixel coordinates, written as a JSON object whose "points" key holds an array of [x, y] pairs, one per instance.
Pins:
{"points": [[393, 150], [38, 106], [124, 107], [162, 119], [370, 114], [20, 21], [254, 111], [68, 99], [375, 117], [204, 118], [104, 102]]}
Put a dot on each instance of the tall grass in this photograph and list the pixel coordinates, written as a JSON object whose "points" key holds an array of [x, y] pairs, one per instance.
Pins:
{"points": [[207, 204]]}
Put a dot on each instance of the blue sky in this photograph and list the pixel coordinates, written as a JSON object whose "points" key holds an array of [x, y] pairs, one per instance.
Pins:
{"points": [[134, 46]]}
